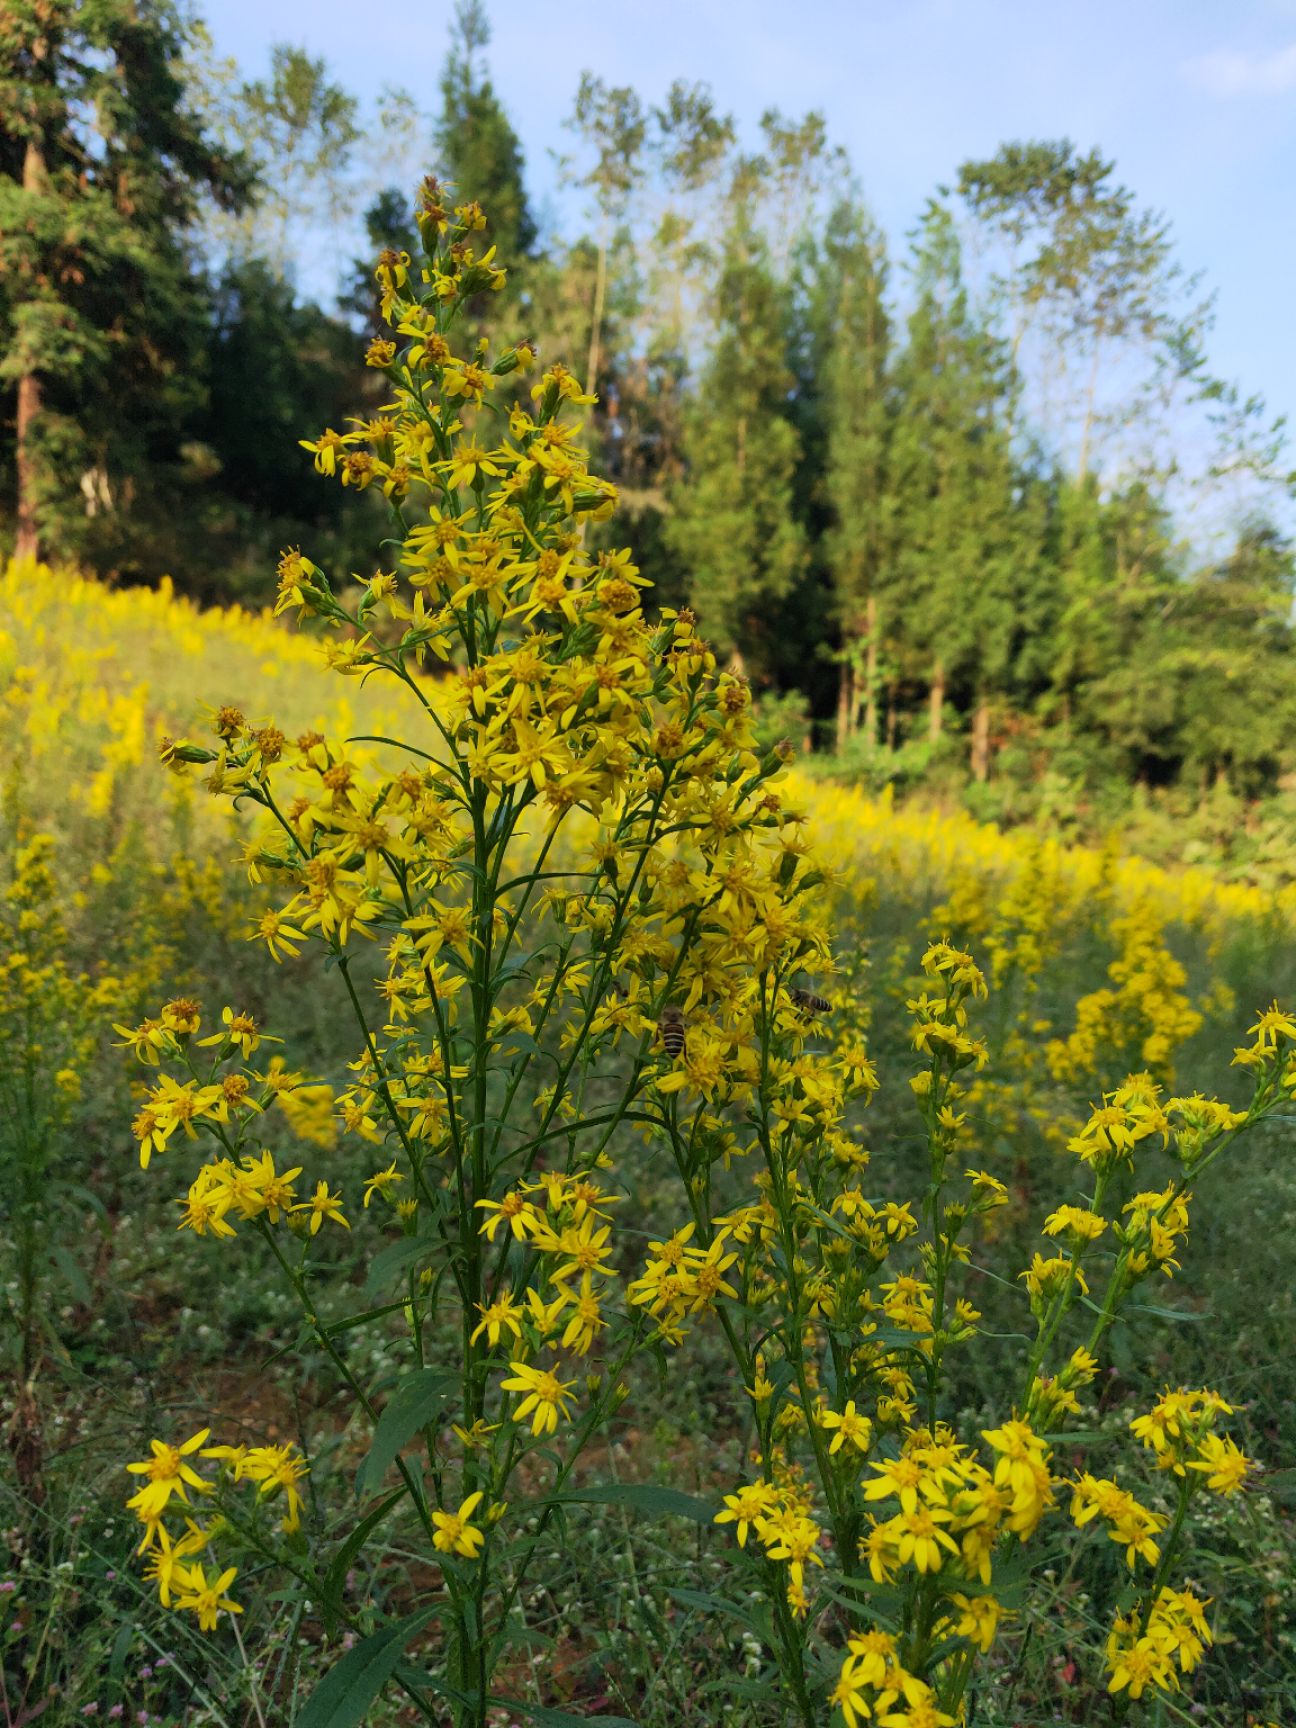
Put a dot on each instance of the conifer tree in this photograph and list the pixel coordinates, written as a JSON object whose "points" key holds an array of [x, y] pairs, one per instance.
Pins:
{"points": [[1229, 657], [733, 522], [388, 226], [1120, 574], [857, 410], [101, 165], [955, 583], [478, 151]]}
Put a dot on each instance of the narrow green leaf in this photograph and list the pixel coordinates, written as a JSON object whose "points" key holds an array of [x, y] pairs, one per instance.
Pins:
{"points": [[343, 1697], [354, 1320], [397, 1257], [718, 1605], [642, 1497], [1177, 1316], [334, 1579], [121, 1650], [73, 1275], [548, 1717], [417, 1399], [895, 1337], [396, 744], [736, 1687]]}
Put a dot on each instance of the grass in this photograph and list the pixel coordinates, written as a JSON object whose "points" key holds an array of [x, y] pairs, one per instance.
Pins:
{"points": [[140, 1336]]}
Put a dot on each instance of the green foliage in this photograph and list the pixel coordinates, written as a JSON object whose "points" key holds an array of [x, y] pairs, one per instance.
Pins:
{"points": [[892, 505], [732, 524], [858, 415], [959, 586], [478, 151], [102, 164]]}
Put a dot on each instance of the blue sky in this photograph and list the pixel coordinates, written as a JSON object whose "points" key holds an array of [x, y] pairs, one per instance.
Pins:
{"points": [[1195, 99]]}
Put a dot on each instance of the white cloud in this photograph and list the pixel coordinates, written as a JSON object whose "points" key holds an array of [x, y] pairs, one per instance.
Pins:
{"points": [[1234, 72]]}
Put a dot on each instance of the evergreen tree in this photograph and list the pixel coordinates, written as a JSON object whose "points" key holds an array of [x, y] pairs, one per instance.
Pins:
{"points": [[963, 555], [733, 523], [101, 168], [276, 364], [799, 625], [1189, 675], [858, 411], [478, 151], [1232, 658], [388, 226], [1119, 569]]}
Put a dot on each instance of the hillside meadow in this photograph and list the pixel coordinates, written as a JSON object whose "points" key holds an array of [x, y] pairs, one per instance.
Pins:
{"points": [[525, 1200], [143, 890]]}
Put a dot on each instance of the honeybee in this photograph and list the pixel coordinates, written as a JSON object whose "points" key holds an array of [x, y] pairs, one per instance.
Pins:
{"points": [[670, 1028], [808, 1002]]}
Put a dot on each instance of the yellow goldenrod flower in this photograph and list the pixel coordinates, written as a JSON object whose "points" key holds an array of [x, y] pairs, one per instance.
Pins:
{"points": [[545, 1396], [751, 1504], [849, 1425], [1222, 1462], [454, 1534], [978, 1619], [168, 1474], [323, 1205], [503, 1314], [198, 1594], [380, 1183]]}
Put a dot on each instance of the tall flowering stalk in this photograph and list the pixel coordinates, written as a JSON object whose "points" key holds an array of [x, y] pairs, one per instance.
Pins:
{"points": [[574, 837], [570, 908]]}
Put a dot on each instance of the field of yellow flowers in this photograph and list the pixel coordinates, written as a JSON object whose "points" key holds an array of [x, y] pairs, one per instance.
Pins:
{"points": [[125, 884]]}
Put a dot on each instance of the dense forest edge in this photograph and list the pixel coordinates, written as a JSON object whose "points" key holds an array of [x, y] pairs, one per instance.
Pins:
{"points": [[968, 506]]}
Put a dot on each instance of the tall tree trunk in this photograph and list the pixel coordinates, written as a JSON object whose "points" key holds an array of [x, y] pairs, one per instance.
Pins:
{"points": [[596, 322], [845, 694], [870, 673], [1087, 433], [891, 717], [981, 741], [27, 538], [936, 703]]}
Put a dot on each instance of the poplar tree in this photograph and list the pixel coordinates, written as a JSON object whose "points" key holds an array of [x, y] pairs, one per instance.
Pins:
{"points": [[1092, 272], [612, 126], [302, 130], [101, 169]]}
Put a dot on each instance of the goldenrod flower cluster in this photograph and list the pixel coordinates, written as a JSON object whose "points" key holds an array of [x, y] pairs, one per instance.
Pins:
{"points": [[677, 888], [570, 903], [183, 1582], [1154, 1649]]}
